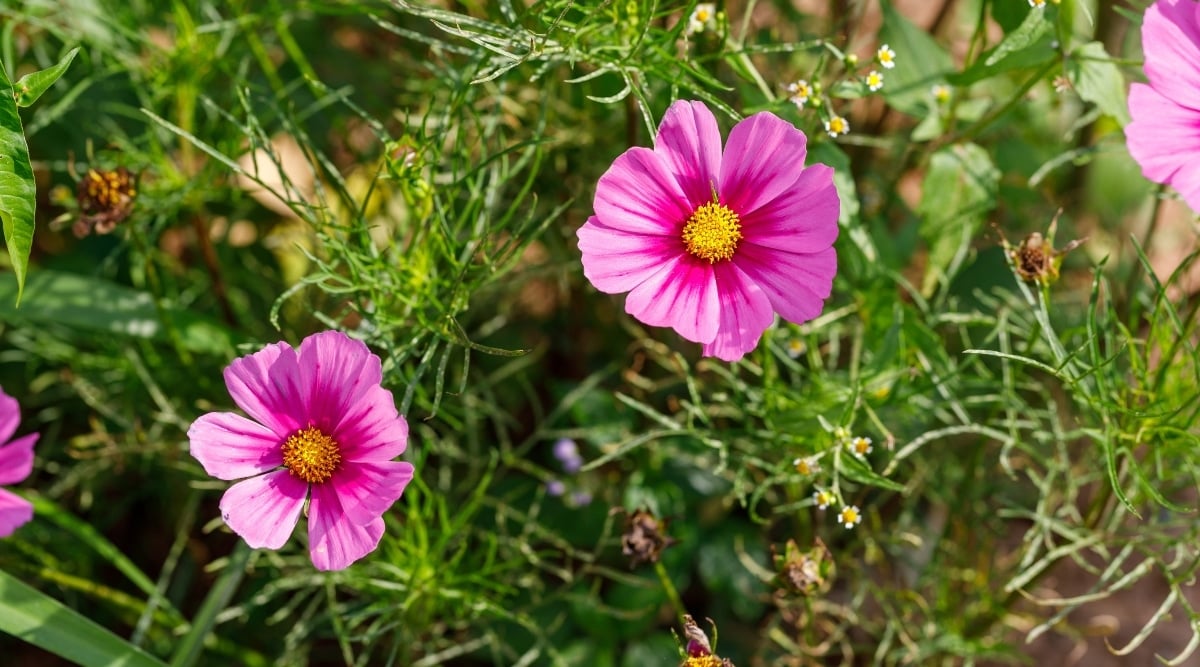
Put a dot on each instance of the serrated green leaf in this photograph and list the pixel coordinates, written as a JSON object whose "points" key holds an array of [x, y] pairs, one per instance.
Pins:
{"points": [[958, 191], [920, 62], [32, 85], [1098, 80], [18, 195], [28, 614]]}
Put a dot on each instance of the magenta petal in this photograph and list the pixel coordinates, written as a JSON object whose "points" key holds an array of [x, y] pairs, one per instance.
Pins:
{"points": [[10, 416], [763, 157], [803, 219], [797, 285], [639, 194], [689, 140], [683, 296], [1164, 138], [16, 459], [264, 384], [616, 261], [367, 490], [372, 430], [1171, 43], [15, 512], [336, 371], [229, 446], [264, 509], [745, 314], [334, 541]]}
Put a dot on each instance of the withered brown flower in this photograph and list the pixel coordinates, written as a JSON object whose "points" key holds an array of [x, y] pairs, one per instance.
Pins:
{"points": [[803, 572], [697, 651], [1036, 260], [644, 538]]}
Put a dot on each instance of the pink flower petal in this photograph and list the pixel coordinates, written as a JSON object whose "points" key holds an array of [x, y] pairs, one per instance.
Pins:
{"points": [[745, 314], [689, 140], [264, 509], [334, 541], [803, 219], [797, 285], [229, 446], [15, 512], [16, 459], [763, 158], [639, 194], [336, 371], [367, 490], [682, 295], [264, 384], [10, 416], [372, 429], [1164, 138], [1171, 43], [616, 261]]}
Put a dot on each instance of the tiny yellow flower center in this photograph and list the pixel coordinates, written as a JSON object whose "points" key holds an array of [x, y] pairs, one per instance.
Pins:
{"points": [[712, 232], [850, 515], [311, 455], [702, 661]]}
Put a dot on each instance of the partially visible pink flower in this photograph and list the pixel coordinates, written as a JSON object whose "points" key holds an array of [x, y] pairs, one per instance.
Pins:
{"points": [[321, 427], [1164, 135], [16, 462], [713, 242]]}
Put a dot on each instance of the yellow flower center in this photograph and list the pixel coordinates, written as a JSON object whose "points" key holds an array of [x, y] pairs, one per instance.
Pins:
{"points": [[311, 455], [849, 515], [712, 232], [702, 661]]}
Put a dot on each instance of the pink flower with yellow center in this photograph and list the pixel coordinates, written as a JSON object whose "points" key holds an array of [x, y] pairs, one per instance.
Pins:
{"points": [[16, 462], [1164, 136], [321, 429], [713, 242]]}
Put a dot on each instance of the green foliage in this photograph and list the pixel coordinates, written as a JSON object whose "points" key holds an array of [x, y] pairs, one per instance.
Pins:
{"points": [[415, 173]]}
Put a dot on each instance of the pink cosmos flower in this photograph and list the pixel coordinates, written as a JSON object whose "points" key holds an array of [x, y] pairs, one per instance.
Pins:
{"points": [[1164, 136], [16, 462], [713, 243], [321, 428]]}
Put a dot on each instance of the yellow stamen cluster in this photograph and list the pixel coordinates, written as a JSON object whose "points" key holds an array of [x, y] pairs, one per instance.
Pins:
{"points": [[702, 661], [311, 455], [712, 232]]}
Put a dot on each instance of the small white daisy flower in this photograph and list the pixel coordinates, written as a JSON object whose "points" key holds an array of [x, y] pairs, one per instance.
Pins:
{"points": [[800, 92], [860, 446], [824, 498], [940, 92], [1037, 3], [886, 56], [850, 516], [806, 465], [704, 17], [837, 125], [874, 81], [795, 347]]}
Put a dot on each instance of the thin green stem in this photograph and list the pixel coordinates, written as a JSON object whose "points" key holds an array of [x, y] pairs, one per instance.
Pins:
{"points": [[669, 587]]}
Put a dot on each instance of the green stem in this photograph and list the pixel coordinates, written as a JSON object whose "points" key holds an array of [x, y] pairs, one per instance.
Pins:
{"points": [[218, 599], [669, 587]]}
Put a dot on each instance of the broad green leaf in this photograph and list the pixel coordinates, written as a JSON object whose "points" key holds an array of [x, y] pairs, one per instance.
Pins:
{"points": [[1027, 47], [32, 85], [18, 194], [958, 191], [920, 62], [92, 304], [28, 614], [1098, 80]]}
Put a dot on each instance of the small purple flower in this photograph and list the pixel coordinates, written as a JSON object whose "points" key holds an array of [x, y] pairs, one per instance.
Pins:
{"points": [[567, 453], [555, 487], [581, 498]]}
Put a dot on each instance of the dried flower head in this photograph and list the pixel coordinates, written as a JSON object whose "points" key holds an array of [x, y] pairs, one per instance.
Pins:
{"points": [[1036, 260], [644, 538], [105, 198], [803, 572]]}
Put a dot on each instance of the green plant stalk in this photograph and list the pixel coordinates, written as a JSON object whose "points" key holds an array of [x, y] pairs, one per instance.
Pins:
{"points": [[218, 598], [669, 587]]}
